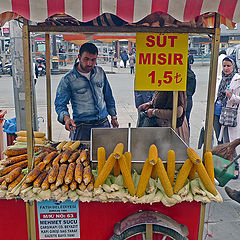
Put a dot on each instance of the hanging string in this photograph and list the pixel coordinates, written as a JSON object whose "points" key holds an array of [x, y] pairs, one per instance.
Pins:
{"points": [[207, 233]]}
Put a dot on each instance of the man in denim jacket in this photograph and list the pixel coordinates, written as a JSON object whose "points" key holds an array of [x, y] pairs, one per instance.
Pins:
{"points": [[87, 88]]}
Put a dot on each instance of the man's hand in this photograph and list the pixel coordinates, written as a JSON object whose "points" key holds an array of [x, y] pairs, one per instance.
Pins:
{"points": [[114, 123], [150, 112], [144, 106], [68, 123]]}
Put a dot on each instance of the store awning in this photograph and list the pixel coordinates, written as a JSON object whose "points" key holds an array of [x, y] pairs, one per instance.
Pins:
{"points": [[128, 10]]}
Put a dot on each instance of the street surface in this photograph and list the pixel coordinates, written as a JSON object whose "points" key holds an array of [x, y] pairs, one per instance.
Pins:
{"points": [[223, 219]]}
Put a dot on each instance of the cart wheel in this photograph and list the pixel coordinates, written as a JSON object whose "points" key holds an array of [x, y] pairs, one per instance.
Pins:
{"points": [[168, 232]]}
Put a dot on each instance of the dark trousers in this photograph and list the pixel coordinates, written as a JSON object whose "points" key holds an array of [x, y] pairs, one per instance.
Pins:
{"points": [[132, 69], [125, 63], [83, 131]]}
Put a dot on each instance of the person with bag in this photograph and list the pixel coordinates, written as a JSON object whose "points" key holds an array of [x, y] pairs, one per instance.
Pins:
{"points": [[161, 108], [226, 105]]}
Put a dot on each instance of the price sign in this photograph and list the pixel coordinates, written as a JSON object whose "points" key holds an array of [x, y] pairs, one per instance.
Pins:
{"points": [[58, 220], [161, 62]]}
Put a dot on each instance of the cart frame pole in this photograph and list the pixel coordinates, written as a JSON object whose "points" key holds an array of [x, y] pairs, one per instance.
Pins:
{"points": [[174, 113], [30, 206], [48, 83], [210, 105]]}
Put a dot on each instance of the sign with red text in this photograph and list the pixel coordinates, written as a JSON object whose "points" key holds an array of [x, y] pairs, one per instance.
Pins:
{"points": [[58, 220], [161, 61]]}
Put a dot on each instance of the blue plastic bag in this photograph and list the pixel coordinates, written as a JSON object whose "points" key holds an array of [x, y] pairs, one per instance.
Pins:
{"points": [[10, 126]]}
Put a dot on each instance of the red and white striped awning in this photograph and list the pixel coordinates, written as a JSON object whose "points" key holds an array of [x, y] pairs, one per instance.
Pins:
{"points": [[128, 10]]}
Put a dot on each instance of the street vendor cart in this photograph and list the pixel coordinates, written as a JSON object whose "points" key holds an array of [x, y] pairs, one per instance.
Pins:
{"points": [[108, 220]]}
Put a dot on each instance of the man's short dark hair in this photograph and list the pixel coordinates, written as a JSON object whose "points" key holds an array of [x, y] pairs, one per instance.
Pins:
{"points": [[88, 47]]}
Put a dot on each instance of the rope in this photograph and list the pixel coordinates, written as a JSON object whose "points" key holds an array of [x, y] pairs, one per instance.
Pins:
{"points": [[207, 233]]}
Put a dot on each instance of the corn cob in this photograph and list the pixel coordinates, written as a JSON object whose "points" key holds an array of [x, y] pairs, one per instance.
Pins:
{"points": [[73, 185], [60, 145], [48, 166], [128, 181], [69, 174], [36, 134], [193, 156], [15, 182], [8, 169], [202, 173], [74, 146], [74, 156], [66, 145], [116, 169], [83, 156], [35, 172], [53, 187], [36, 140], [144, 178], [64, 188], [90, 186], [4, 185], [182, 176], [153, 154], [101, 156], [118, 150], [13, 175], [16, 159], [86, 163], [15, 152], [208, 160], [66, 155], [50, 157], [61, 174], [57, 158], [2, 179], [40, 157], [38, 181], [128, 157], [25, 185], [82, 186], [171, 166], [87, 175], [52, 176], [192, 174], [45, 184], [162, 174], [78, 175], [107, 168]]}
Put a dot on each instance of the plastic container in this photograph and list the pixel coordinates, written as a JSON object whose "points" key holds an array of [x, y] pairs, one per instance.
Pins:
{"points": [[223, 170]]}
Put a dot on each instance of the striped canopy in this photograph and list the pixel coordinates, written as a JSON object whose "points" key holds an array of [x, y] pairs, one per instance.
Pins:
{"points": [[129, 10]]}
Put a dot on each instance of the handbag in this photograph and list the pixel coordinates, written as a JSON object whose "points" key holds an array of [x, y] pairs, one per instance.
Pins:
{"points": [[228, 117], [145, 121], [217, 108]]}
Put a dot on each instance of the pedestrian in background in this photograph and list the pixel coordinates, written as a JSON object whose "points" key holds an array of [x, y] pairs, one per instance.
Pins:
{"points": [[132, 63], [124, 57]]}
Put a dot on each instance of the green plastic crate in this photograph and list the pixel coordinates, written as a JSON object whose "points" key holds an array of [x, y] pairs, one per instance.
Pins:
{"points": [[222, 174]]}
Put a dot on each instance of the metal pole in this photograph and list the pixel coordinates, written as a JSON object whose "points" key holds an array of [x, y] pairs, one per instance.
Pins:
{"points": [[48, 83], [210, 106], [30, 208]]}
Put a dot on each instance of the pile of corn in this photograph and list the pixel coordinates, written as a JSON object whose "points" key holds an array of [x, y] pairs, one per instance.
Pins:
{"points": [[38, 137], [67, 168]]}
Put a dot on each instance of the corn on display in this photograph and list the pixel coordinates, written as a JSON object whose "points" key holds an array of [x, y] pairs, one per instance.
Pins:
{"points": [[65, 172]]}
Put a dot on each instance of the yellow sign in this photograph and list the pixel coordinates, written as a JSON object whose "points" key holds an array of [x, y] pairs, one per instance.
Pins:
{"points": [[161, 61]]}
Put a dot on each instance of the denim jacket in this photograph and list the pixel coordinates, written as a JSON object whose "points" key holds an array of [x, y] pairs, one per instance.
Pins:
{"points": [[91, 100]]}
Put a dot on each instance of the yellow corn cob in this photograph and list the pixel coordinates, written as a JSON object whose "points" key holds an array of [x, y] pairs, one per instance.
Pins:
{"points": [[154, 172], [208, 161], [128, 157], [128, 181], [144, 178], [66, 145], [118, 150], [36, 140], [171, 166], [202, 173], [182, 176], [192, 173], [101, 156], [193, 156], [36, 134], [107, 168], [60, 145], [153, 154], [74, 146], [162, 174], [116, 169]]}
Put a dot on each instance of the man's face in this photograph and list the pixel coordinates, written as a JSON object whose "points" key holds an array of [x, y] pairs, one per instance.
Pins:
{"points": [[87, 61]]}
